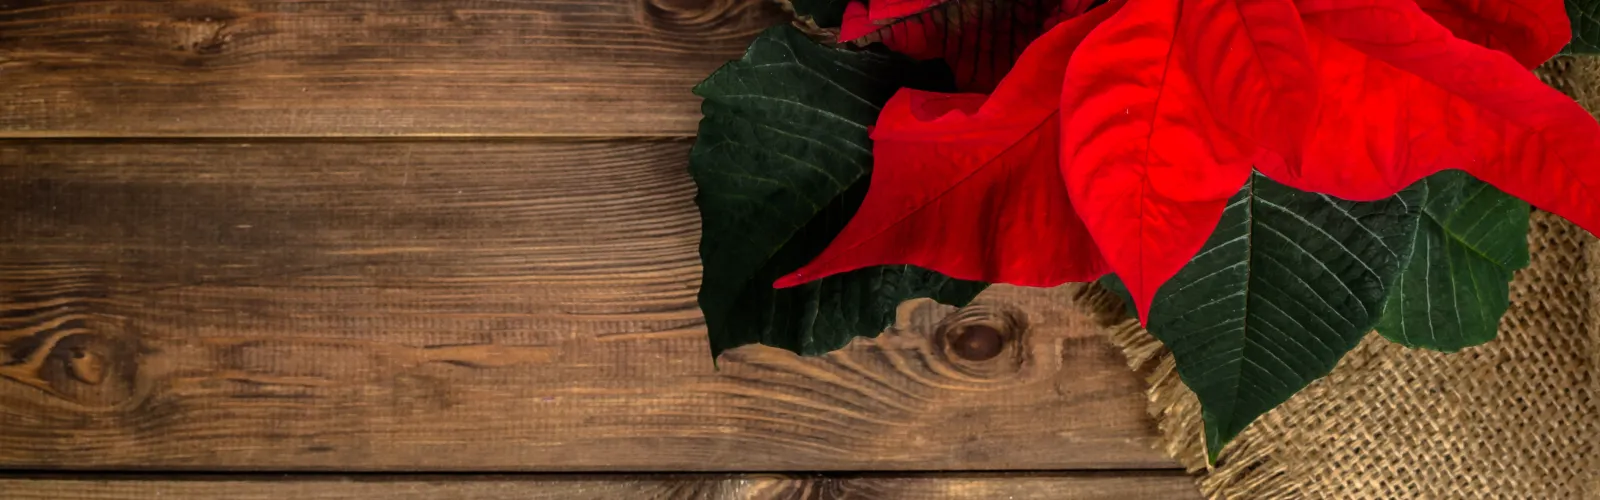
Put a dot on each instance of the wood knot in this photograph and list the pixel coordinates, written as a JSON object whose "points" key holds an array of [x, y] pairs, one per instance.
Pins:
{"points": [[69, 359], [984, 339], [196, 30], [700, 16], [978, 343], [87, 366], [55, 337]]}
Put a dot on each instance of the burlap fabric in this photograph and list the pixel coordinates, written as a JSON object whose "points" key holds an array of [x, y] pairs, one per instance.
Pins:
{"points": [[1516, 418]]}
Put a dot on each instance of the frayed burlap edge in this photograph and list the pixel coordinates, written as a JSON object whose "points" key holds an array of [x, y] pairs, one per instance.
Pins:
{"points": [[1254, 465], [1247, 469]]}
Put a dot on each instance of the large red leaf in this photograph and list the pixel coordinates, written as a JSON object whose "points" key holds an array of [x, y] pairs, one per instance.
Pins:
{"points": [[969, 186], [856, 24], [1169, 101], [979, 39], [1403, 98], [1532, 31], [887, 11]]}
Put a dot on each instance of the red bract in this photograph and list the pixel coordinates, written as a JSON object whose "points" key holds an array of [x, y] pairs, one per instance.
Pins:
{"points": [[1404, 99], [1163, 107], [969, 186], [1529, 30], [886, 11], [1170, 101], [979, 39]]}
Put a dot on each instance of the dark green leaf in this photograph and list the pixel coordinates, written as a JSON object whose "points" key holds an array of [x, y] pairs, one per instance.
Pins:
{"points": [[1287, 284], [781, 163], [1452, 294], [1585, 16]]}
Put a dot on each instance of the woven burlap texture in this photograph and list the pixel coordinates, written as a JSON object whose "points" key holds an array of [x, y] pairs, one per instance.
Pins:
{"points": [[1515, 418]]}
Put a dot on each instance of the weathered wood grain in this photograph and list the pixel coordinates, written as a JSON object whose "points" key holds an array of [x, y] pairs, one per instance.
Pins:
{"points": [[364, 67], [475, 306], [1127, 486]]}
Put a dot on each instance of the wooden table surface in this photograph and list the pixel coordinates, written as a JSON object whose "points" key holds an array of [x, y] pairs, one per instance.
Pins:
{"points": [[447, 249]]}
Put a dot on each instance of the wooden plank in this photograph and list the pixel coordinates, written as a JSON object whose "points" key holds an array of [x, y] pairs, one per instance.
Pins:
{"points": [[363, 67], [470, 306], [1131, 486]]}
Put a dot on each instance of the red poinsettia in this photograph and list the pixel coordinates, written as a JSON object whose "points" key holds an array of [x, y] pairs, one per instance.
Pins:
{"points": [[1117, 137], [979, 39]]}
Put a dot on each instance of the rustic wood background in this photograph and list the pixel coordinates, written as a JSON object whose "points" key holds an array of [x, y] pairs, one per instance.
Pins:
{"points": [[308, 249]]}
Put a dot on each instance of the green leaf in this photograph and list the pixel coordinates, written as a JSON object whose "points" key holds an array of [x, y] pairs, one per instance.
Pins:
{"points": [[826, 13], [1287, 284], [782, 163], [1585, 16], [1456, 287]]}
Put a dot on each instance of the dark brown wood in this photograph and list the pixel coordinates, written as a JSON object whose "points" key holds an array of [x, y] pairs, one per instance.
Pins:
{"points": [[475, 306], [1129, 486], [364, 67]]}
